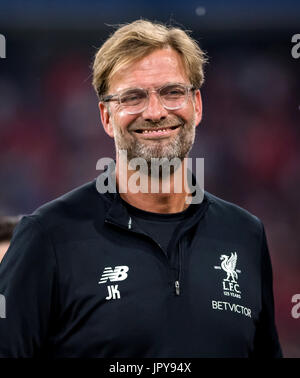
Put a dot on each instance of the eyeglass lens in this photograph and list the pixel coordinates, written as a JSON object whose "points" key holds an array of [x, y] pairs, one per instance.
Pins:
{"points": [[172, 97]]}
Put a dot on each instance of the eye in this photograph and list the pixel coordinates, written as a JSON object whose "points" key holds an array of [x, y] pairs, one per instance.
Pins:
{"points": [[173, 91], [132, 97]]}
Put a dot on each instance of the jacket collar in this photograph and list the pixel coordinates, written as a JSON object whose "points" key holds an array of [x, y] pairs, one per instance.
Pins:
{"points": [[118, 214]]}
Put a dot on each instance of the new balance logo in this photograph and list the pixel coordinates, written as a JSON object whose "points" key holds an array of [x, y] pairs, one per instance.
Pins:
{"points": [[117, 274]]}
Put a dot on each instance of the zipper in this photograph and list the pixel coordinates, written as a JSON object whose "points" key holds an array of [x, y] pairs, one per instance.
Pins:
{"points": [[129, 223], [177, 282], [129, 227], [177, 287]]}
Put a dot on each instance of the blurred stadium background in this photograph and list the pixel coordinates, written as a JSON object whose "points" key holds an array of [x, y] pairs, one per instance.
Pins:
{"points": [[51, 135]]}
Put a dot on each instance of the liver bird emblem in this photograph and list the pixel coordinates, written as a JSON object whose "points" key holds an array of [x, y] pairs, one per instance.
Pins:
{"points": [[228, 264]]}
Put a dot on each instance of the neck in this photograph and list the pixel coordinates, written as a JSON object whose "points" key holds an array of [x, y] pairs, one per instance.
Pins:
{"points": [[151, 193]]}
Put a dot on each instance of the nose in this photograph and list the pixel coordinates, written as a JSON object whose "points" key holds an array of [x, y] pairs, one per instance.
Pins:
{"points": [[155, 110]]}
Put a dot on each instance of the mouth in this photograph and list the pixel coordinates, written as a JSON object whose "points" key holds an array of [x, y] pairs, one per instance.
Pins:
{"points": [[158, 132]]}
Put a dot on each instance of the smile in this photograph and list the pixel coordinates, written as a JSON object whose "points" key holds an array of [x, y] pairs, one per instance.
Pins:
{"points": [[156, 133]]}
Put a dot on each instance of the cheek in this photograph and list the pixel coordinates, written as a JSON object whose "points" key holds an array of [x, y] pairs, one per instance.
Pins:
{"points": [[189, 113], [121, 114], [122, 120], [185, 114]]}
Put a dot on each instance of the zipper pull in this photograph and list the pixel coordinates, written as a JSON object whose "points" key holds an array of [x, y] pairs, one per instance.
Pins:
{"points": [[177, 287], [129, 223]]}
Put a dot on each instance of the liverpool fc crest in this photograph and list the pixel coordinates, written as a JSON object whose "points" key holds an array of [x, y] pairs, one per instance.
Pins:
{"points": [[230, 284]]}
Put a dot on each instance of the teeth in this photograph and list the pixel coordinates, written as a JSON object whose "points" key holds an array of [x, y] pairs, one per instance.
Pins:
{"points": [[153, 131]]}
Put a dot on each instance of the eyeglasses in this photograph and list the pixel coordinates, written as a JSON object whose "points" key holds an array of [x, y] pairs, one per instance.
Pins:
{"points": [[135, 100]]}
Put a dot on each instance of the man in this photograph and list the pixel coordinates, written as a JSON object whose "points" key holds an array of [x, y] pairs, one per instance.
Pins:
{"points": [[7, 225], [141, 273]]}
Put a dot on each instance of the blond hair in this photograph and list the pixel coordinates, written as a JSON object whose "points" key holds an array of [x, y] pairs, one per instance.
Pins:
{"points": [[138, 39]]}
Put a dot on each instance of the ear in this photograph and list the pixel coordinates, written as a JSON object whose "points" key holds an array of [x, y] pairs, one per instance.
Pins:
{"points": [[198, 107], [106, 119]]}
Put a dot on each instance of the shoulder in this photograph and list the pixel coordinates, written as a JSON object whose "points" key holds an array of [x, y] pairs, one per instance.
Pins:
{"points": [[72, 217], [232, 216], [75, 202], [72, 214]]}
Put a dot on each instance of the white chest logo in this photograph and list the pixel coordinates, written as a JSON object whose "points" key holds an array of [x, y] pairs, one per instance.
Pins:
{"points": [[230, 285], [117, 274]]}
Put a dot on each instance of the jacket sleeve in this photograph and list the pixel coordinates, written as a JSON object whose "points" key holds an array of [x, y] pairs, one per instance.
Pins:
{"points": [[27, 286], [266, 343]]}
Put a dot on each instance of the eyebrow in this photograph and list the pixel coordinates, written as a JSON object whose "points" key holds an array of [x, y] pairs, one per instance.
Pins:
{"points": [[156, 87]]}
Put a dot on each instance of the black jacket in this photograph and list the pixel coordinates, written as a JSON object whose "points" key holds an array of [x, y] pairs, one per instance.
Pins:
{"points": [[81, 279]]}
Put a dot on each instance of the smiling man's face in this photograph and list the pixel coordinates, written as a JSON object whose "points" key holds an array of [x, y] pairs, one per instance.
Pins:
{"points": [[136, 132]]}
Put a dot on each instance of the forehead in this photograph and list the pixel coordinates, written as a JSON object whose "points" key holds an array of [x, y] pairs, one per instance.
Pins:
{"points": [[156, 69]]}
